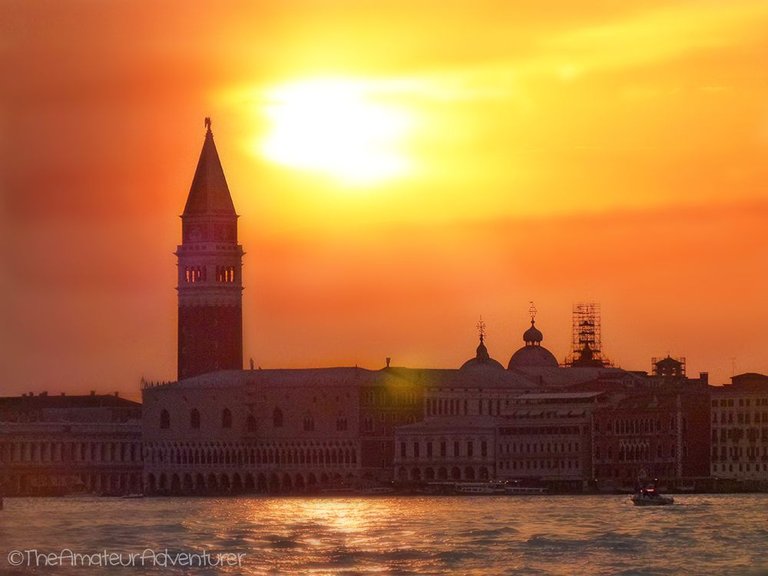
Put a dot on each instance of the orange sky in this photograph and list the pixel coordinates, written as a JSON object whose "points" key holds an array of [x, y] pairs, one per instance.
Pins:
{"points": [[606, 151]]}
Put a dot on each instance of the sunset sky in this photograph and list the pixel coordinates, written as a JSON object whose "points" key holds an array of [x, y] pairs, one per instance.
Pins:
{"points": [[400, 169]]}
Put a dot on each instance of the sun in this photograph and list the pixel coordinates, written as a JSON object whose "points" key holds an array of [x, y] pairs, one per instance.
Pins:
{"points": [[345, 129]]}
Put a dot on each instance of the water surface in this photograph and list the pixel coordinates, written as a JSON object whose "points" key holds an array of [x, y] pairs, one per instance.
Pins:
{"points": [[481, 535]]}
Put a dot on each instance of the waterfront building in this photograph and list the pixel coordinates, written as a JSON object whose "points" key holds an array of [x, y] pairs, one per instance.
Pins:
{"points": [[253, 430], [457, 448], [739, 437], [51, 445], [483, 422], [546, 437], [657, 430]]}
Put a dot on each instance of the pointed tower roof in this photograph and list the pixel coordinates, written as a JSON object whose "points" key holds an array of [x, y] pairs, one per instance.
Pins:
{"points": [[209, 193]]}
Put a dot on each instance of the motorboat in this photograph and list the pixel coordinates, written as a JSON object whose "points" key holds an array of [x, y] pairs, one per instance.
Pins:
{"points": [[649, 496]]}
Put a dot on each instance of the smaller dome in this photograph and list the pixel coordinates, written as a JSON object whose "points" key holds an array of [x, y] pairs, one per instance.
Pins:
{"points": [[533, 334], [482, 358]]}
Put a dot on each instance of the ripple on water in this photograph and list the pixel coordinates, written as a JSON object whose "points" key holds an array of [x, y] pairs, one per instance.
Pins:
{"points": [[617, 542]]}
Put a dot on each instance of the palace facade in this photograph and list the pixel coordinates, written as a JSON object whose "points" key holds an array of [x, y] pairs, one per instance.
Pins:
{"points": [[52, 445]]}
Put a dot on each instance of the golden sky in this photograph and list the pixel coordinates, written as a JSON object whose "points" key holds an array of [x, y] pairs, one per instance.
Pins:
{"points": [[400, 169]]}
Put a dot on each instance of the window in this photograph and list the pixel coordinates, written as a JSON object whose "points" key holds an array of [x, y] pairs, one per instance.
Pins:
{"points": [[341, 424], [225, 274], [226, 418], [251, 424], [442, 448], [165, 420], [194, 418], [194, 274], [309, 424], [277, 418]]}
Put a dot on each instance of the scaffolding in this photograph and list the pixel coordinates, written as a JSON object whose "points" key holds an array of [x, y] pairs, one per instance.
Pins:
{"points": [[586, 347]]}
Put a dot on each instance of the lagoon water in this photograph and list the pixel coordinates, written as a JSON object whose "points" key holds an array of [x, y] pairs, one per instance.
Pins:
{"points": [[481, 535]]}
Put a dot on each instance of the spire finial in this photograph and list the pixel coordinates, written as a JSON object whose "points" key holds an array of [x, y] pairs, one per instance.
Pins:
{"points": [[481, 329], [208, 123], [532, 312]]}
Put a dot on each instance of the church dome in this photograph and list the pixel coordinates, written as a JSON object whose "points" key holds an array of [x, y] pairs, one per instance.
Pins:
{"points": [[533, 354], [482, 358], [533, 357]]}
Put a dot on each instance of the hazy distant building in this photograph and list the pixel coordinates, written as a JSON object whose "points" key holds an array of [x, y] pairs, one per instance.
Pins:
{"points": [[457, 439], [546, 437], [658, 431], [739, 443], [52, 445], [483, 422]]}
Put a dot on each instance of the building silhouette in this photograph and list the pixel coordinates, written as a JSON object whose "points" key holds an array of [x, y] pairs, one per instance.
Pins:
{"points": [[219, 429], [210, 329], [584, 425]]}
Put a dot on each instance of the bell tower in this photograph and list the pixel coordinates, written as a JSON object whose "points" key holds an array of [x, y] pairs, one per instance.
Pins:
{"points": [[210, 260]]}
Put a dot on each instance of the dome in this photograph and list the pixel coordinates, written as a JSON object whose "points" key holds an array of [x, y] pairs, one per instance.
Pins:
{"points": [[482, 359], [533, 356]]}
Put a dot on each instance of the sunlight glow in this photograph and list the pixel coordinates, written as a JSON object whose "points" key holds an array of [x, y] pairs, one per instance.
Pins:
{"points": [[340, 128]]}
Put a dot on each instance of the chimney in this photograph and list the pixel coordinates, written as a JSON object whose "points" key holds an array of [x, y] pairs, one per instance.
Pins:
{"points": [[93, 392], [388, 361]]}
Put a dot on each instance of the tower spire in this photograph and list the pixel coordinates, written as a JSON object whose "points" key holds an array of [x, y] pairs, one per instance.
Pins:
{"points": [[209, 192]]}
